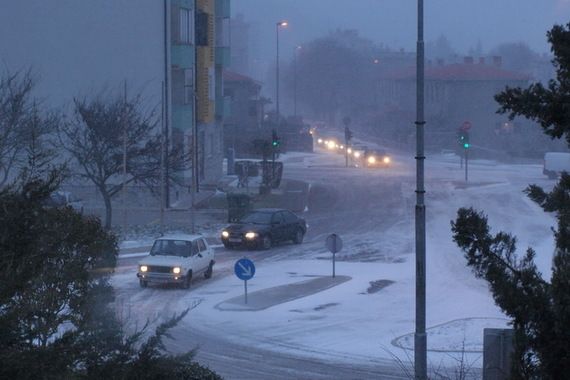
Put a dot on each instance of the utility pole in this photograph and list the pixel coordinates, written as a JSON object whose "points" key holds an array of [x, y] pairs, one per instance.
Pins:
{"points": [[195, 182], [124, 188], [162, 161], [420, 339]]}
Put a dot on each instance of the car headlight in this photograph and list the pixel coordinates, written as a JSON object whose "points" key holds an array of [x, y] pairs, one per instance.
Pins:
{"points": [[387, 160], [176, 270], [348, 150], [144, 268], [320, 141], [357, 154], [225, 234], [250, 235], [371, 160]]}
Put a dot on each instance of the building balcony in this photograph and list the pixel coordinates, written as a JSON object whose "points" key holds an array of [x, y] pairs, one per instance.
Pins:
{"points": [[182, 55], [223, 107], [223, 56], [223, 8], [182, 117]]}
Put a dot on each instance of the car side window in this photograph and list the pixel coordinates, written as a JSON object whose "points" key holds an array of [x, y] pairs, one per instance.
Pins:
{"points": [[187, 249], [195, 249], [277, 218], [201, 245], [289, 217]]}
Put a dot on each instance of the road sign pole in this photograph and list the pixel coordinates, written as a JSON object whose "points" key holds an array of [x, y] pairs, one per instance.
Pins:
{"points": [[466, 165], [244, 270], [334, 260]]}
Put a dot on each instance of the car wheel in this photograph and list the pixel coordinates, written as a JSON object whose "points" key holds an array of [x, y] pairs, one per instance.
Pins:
{"points": [[266, 242], [143, 283], [298, 237], [187, 280], [209, 271]]}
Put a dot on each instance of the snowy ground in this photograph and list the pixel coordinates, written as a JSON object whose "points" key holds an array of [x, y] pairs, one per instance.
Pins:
{"points": [[371, 318]]}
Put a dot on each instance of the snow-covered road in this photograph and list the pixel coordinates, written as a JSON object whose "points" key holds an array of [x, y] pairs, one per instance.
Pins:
{"points": [[355, 329]]}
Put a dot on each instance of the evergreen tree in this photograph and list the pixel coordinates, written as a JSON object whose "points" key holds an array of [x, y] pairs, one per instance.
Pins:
{"points": [[540, 310], [56, 315]]}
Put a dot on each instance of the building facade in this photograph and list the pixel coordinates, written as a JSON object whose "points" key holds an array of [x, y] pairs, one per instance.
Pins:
{"points": [[456, 93], [167, 51]]}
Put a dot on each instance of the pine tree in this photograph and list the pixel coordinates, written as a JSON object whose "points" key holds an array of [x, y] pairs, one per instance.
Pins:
{"points": [[56, 316], [540, 310]]}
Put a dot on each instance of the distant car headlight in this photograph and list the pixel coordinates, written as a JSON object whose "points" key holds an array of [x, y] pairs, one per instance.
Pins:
{"points": [[332, 145], [176, 270], [342, 147], [387, 160], [320, 141], [348, 150], [357, 154], [250, 235], [144, 268], [225, 234], [371, 160]]}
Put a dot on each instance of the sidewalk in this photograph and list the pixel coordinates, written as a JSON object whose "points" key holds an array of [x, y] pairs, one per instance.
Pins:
{"points": [[266, 298]]}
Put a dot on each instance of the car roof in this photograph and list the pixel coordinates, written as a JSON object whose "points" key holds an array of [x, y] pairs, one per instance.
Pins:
{"points": [[268, 210], [187, 237]]}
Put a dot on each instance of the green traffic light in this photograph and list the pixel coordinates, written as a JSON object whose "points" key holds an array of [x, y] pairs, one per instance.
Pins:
{"points": [[275, 143], [466, 145]]}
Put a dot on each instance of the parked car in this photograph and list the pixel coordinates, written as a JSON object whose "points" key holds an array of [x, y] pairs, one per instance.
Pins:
{"points": [[262, 228], [176, 260], [556, 163], [61, 198]]}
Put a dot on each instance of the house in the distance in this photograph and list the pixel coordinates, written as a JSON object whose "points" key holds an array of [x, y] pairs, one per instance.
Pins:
{"points": [[456, 93]]}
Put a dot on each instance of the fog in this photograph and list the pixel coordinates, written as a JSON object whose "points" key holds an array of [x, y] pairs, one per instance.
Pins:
{"points": [[392, 22]]}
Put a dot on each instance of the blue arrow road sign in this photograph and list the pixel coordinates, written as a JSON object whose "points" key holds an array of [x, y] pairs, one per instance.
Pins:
{"points": [[244, 269]]}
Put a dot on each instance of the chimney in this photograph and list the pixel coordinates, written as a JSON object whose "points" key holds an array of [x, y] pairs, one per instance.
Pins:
{"points": [[497, 60], [468, 60], [481, 60], [440, 62]]}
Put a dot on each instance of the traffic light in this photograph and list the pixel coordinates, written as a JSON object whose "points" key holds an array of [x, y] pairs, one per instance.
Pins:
{"points": [[347, 134], [464, 139], [275, 141]]}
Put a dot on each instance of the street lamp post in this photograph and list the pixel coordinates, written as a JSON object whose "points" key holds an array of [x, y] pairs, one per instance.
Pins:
{"points": [[277, 26], [420, 339], [295, 80], [277, 114]]}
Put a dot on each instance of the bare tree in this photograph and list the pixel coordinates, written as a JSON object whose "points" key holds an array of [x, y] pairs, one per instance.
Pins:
{"points": [[15, 103], [99, 132]]}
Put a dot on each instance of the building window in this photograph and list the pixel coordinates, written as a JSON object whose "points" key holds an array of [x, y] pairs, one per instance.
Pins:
{"points": [[222, 32], [188, 85], [182, 86], [186, 26]]}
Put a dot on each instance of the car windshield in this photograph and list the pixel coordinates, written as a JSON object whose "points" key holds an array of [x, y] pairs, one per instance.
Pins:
{"points": [[257, 218], [180, 248]]}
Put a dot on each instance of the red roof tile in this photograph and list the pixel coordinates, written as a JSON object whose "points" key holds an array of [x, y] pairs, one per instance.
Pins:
{"points": [[232, 76], [477, 72]]}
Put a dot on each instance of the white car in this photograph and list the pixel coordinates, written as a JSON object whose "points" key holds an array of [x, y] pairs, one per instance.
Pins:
{"points": [[176, 260]]}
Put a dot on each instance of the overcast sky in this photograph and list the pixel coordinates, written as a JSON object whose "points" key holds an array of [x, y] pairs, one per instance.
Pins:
{"points": [[393, 22]]}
